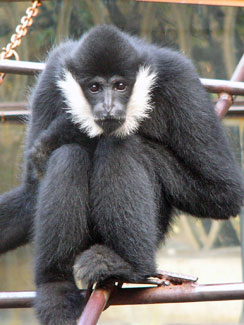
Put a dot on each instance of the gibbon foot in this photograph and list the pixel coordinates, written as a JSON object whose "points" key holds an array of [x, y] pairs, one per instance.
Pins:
{"points": [[101, 265], [98, 264]]}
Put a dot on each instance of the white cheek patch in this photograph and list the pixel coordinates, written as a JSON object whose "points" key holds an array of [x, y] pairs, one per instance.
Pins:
{"points": [[139, 105], [78, 106]]}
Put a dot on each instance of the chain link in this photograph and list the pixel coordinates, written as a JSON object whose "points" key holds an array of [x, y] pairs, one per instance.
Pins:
{"points": [[21, 31]]}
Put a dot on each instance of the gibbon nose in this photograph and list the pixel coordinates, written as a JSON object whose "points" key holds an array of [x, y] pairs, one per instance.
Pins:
{"points": [[108, 101], [102, 112], [108, 107]]}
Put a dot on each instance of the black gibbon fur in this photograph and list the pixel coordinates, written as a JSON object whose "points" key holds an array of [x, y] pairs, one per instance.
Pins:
{"points": [[121, 134]]}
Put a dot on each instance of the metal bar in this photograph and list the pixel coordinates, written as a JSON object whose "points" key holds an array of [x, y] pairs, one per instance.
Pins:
{"points": [[19, 299], [143, 295], [238, 74], [16, 113], [220, 86], [95, 306], [211, 85], [13, 106], [178, 293], [20, 115], [21, 67], [225, 100], [242, 254]]}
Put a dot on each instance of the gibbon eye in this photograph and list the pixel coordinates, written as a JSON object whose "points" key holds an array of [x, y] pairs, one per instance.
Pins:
{"points": [[94, 88], [120, 86]]}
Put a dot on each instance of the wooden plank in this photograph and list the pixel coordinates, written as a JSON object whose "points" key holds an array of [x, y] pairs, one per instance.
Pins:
{"points": [[236, 3]]}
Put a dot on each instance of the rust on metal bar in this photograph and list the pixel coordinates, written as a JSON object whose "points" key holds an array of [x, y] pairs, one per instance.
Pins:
{"points": [[177, 293], [166, 278], [211, 85]]}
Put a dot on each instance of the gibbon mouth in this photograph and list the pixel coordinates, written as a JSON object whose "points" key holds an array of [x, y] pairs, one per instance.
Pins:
{"points": [[110, 124]]}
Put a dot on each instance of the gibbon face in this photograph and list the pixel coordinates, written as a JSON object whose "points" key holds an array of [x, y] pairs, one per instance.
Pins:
{"points": [[111, 106], [107, 89]]}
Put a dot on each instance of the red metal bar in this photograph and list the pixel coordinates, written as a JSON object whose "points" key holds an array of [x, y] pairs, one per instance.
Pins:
{"points": [[178, 293], [143, 295], [95, 306], [225, 99]]}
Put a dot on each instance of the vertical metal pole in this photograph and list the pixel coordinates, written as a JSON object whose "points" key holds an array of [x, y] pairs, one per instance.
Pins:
{"points": [[225, 100], [96, 304], [242, 212], [242, 256], [242, 221]]}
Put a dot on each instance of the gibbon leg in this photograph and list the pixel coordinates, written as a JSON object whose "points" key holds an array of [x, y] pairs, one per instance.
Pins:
{"points": [[123, 216], [60, 233]]}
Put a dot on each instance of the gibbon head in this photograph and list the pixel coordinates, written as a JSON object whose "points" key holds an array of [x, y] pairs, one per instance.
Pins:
{"points": [[106, 85]]}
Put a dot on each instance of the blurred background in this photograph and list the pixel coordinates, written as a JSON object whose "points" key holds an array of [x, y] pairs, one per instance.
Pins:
{"points": [[213, 37]]}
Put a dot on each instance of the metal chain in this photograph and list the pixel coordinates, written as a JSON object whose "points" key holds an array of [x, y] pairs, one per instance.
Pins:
{"points": [[21, 31]]}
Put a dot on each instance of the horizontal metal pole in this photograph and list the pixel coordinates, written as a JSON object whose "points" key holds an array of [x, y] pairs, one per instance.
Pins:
{"points": [[211, 85], [178, 293], [20, 115], [146, 295], [21, 67], [14, 113], [21, 299], [220, 86], [13, 106]]}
